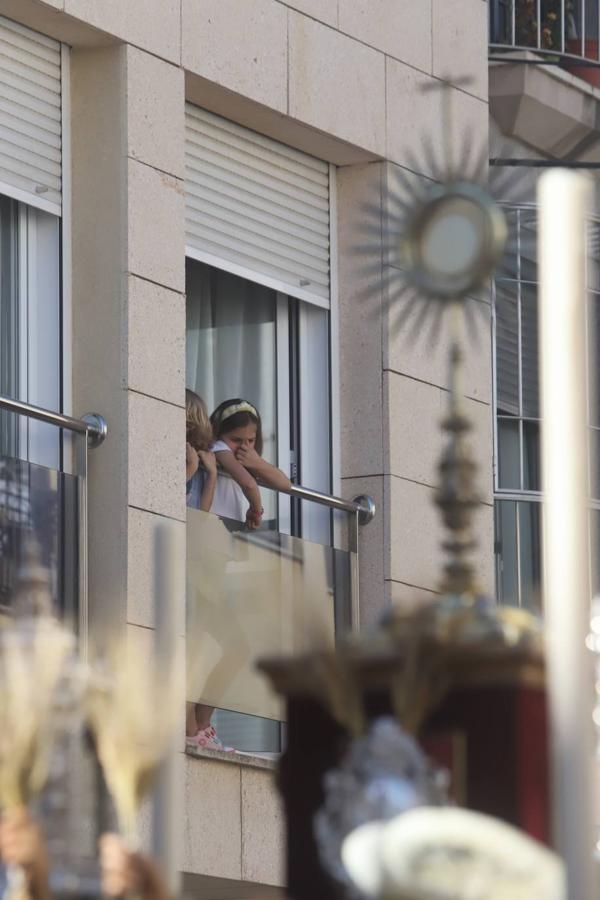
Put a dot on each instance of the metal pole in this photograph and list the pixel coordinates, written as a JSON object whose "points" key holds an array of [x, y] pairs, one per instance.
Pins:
{"points": [[565, 199], [353, 545], [81, 457]]}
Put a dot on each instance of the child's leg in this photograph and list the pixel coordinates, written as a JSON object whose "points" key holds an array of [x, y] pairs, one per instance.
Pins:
{"points": [[203, 716], [191, 726]]}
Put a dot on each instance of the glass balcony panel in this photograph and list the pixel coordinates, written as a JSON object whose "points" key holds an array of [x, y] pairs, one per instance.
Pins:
{"points": [[591, 29], [551, 32], [251, 595], [526, 23], [39, 504]]}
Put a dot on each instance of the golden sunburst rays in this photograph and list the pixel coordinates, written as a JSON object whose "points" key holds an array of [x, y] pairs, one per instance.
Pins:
{"points": [[428, 243], [39, 671], [133, 707]]}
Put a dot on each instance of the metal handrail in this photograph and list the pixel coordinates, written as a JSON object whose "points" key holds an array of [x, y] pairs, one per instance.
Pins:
{"points": [[363, 505], [92, 424]]}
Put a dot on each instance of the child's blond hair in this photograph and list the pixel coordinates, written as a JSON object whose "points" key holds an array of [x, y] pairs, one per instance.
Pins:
{"points": [[198, 429]]}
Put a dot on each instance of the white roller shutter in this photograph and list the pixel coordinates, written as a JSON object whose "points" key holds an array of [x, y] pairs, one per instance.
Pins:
{"points": [[256, 207], [30, 116]]}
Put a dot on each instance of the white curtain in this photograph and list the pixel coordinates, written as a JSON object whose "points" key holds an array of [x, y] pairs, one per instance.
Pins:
{"points": [[231, 344]]}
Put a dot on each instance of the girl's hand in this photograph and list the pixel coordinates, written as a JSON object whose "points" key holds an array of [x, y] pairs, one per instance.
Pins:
{"points": [[209, 461], [191, 461], [254, 517], [249, 458]]}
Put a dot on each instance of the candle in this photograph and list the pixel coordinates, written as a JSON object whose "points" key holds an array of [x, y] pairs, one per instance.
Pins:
{"points": [[564, 199]]}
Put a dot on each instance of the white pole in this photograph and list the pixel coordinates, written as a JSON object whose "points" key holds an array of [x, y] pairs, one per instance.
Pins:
{"points": [[166, 838], [564, 199]]}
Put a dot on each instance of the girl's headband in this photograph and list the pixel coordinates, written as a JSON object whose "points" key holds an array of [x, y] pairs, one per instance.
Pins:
{"points": [[244, 406]]}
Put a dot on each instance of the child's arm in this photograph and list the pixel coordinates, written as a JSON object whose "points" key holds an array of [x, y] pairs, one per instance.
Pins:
{"points": [[270, 475], [191, 461], [229, 464], [208, 491]]}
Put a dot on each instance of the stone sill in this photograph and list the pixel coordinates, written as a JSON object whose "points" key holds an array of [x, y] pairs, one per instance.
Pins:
{"points": [[249, 760]]}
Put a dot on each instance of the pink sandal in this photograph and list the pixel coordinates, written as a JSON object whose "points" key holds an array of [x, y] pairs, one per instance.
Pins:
{"points": [[206, 739]]}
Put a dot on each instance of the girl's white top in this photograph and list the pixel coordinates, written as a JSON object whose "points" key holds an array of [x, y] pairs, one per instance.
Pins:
{"points": [[229, 500]]}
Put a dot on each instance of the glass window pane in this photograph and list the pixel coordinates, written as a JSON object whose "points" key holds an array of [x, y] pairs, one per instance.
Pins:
{"points": [[594, 357], [594, 446], [507, 348], [551, 25], [573, 27], [507, 582], [501, 22], [593, 256], [231, 348], [526, 25], [509, 457], [591, 29], [530, 555], [531, 457], [9, 320], [529, 351], [528, 244]]}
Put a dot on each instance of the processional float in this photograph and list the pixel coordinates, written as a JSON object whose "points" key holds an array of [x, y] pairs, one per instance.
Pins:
{"points": [[449, 753]]}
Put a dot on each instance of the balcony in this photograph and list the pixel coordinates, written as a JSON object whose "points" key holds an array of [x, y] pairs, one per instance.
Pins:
{"points": [[544, 77], [568, 29], [252, 594], [43, 505]]}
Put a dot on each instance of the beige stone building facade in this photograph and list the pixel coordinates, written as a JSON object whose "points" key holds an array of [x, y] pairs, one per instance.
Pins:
{"points": [[175, 120]]}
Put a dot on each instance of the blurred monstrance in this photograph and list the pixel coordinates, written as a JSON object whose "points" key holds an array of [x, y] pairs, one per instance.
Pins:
{"points": [[461, 676]]}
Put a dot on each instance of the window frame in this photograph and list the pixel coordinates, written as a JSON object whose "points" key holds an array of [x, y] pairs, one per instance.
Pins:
{"points": [[284, 295]]}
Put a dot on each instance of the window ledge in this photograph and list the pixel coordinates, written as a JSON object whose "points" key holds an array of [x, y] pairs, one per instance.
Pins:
{"points": [[250, 760]]}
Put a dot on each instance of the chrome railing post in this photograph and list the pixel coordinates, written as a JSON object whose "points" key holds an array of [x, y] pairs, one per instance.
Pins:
{"points": [[82, 512], [353, 547]]}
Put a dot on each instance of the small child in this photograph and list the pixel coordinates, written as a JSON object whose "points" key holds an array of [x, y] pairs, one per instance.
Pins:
{"points": [[238, 446], [201, 480], [200, 489]]}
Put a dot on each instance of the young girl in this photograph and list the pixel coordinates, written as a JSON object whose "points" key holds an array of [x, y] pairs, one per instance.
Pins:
{"points": [[238, 446], [200, 479]]}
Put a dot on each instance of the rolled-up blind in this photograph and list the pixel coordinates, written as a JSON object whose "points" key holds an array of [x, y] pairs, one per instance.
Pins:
{"points": [[256, 207], [30, 116]]}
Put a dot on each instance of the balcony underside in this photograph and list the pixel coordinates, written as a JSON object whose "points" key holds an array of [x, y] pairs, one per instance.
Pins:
{"points": [[546, 108]]}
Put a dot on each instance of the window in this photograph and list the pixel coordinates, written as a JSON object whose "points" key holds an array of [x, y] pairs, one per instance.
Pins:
{"points": [[29, 327], [247, 340], [33, 490], [259, 296], [518, 485]]}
